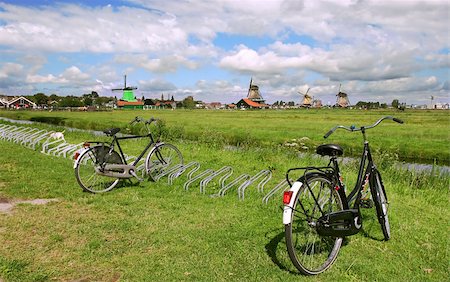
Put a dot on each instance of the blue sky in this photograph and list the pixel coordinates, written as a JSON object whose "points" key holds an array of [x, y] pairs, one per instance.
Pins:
{"points": [[377, 50]]}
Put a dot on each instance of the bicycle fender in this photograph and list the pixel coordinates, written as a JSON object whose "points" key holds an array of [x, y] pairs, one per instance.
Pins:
{"points": [[80, 152], [287, 209]]}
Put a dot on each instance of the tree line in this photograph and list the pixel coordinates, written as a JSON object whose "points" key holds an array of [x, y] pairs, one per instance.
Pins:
{"points": [[90, 99], [377, 105], [93, 99]]}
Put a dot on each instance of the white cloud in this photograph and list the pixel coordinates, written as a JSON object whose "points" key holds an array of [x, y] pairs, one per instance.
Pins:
{"points": [[246, 60], [72, 75], [70, 28], [372, 47], [157, 65], [11, 69], [156, 85]]}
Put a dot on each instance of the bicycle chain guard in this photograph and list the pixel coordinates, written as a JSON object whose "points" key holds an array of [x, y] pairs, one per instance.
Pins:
{"points": [[339, 224]]}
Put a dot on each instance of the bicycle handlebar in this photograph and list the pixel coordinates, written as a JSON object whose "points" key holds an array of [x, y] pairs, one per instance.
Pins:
{"points": [[140, 119], [353, 128]]}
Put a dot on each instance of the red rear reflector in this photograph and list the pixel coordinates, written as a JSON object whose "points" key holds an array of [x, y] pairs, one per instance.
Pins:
{"points": [[86, 145], [287, 197], [76, 155]]}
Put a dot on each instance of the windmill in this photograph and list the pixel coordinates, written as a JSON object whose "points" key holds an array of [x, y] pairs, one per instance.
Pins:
{"points": [[307, 99], [128, 94], [253, 93], [342, 99], [317, 103]]}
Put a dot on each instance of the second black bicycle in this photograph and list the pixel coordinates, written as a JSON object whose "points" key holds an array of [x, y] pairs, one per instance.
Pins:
{"points": [[318, 213], [99, 168]]}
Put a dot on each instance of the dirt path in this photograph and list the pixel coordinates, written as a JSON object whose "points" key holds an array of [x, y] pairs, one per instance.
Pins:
{"points": [[7, 205]]}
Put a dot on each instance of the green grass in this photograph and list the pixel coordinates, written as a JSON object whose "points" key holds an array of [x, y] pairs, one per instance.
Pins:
{"points": [[423, 138], [159, 232]]}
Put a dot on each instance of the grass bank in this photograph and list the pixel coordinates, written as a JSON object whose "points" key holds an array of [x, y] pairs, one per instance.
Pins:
{"points": [[155, 231], [423, 138]]}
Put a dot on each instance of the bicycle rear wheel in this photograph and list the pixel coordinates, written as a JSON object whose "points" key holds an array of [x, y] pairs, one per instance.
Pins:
{"points": [[381, 204], [310, 252], [161, 158], [85, 172]]}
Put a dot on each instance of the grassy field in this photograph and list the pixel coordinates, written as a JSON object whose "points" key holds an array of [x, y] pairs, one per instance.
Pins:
{"points": [[159, 232], [423, 138]]}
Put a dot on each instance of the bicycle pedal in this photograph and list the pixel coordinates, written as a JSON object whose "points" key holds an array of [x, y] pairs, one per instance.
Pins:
{"points": [[366, 203]]}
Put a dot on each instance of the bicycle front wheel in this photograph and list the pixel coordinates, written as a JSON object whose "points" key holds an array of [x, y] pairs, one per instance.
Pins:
{"points": [[88, 162], [381, 204], [310, 252], [161, 158]]}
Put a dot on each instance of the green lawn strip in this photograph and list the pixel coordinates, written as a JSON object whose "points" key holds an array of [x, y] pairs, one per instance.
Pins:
{"points": [[155, 231]]}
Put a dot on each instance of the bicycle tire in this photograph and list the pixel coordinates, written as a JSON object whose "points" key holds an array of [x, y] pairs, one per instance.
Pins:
{"points": [[310, 252], [381, 204], [162, 157], [85, 173]]}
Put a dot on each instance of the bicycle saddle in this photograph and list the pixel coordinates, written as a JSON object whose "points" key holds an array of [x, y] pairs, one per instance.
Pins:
{"points": [[111, 131], [329, 150]]}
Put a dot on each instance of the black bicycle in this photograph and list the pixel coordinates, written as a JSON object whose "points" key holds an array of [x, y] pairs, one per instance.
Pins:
{"points": [[99, 168], [317, 213]]}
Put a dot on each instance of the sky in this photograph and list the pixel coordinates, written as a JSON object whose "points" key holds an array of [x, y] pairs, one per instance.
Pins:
{"points": [[374, 51]]}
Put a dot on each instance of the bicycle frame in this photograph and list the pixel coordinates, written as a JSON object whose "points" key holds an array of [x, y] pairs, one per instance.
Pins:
{"points": [[125, 170], [122, 155], [365, 172]]}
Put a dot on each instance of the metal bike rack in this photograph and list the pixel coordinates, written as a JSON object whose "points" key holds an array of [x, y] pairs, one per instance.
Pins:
{"points": [[192, 167], [266, 175], [70, 150], [50, 143], [11, 135], [37, 140], [33, 136], [54, 150], [140, 167], [205, 173], [235, 182], [225, 171], [168, 171], [8, 130], [5, 130], [26, 136], [17, 134], [281, 186]]}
